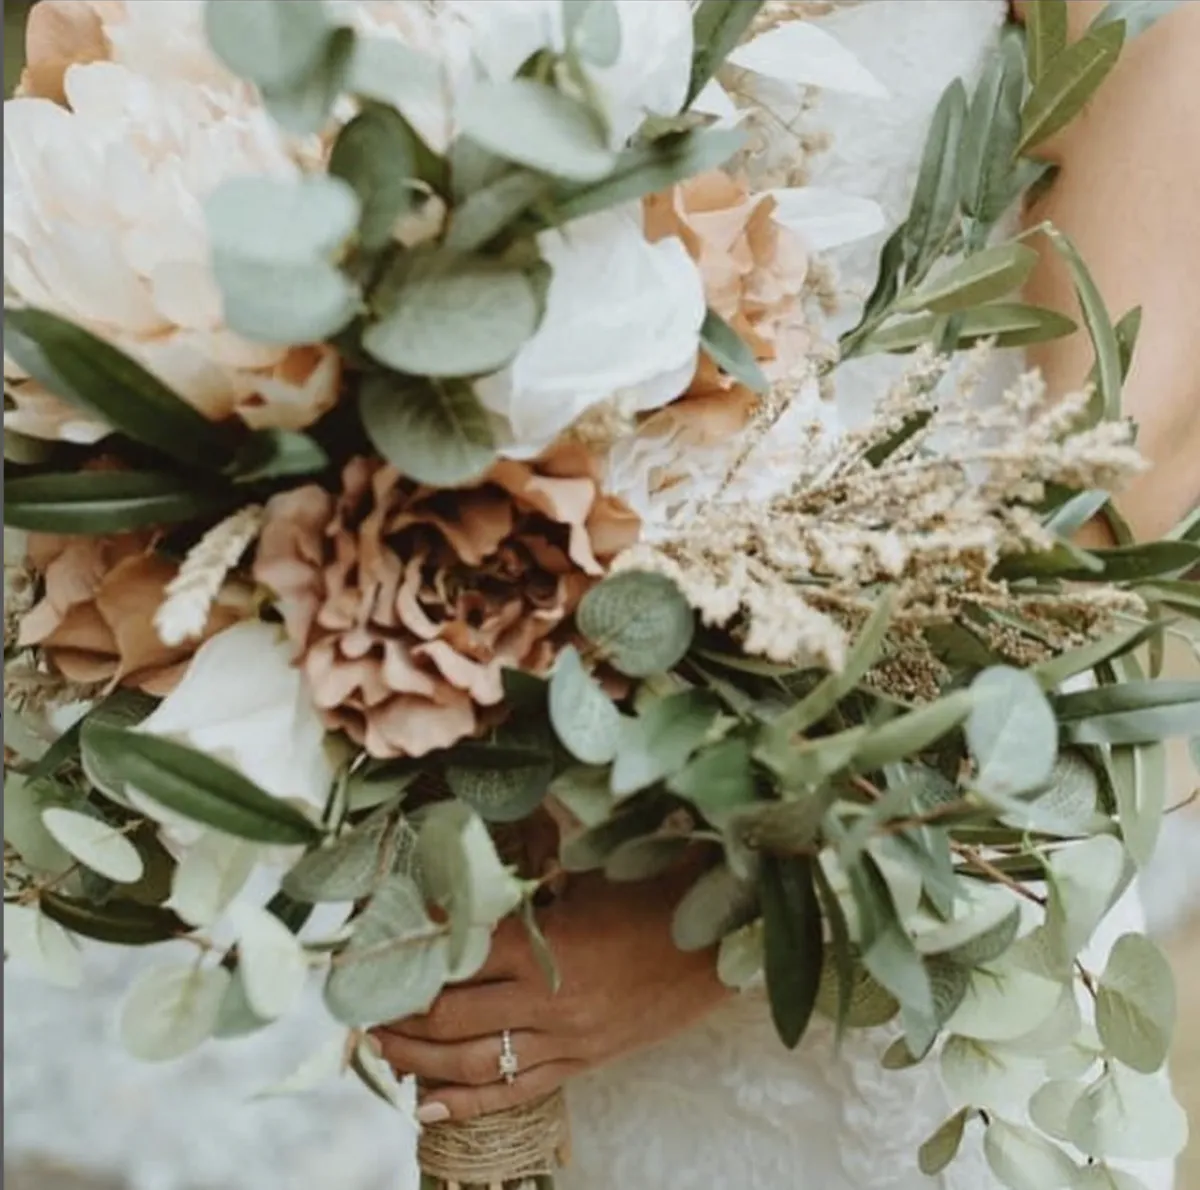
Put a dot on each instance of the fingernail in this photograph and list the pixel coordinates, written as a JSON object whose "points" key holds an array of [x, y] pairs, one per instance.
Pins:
{"points": [[433, 1113]]}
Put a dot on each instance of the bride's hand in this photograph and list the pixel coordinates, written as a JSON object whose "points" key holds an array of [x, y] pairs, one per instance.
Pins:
{"points": [[624, 986]]}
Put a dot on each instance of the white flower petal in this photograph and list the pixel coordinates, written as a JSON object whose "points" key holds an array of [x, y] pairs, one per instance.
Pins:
{"points": [[799, 52], [827, 218]]}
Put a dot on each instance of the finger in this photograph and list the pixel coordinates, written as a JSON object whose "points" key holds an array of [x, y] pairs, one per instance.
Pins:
{"points": [[465, 1103], [468, 1063], [467, 1011]]}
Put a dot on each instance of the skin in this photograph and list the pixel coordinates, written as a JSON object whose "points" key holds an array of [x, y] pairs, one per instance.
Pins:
{"points": [[1129, 196]]}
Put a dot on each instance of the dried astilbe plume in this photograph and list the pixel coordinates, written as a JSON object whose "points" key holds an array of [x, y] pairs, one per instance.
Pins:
{"points": [[406, 603], [931, 521]]}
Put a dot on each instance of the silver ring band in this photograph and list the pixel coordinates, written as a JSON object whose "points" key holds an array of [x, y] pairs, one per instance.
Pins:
{"points": [[509, 1066]]}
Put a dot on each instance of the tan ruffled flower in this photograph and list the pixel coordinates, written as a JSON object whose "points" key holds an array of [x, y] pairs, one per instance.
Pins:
{"points": [[754, 274], [406, 603], [95, 619], [60, 34]]}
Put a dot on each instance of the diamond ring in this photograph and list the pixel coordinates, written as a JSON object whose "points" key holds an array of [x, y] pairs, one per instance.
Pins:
{"points": [[509, 1067]]}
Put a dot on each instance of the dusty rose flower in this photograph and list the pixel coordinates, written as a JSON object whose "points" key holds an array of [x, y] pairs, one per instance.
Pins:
{"points": [[95, 620], [406, 603]]}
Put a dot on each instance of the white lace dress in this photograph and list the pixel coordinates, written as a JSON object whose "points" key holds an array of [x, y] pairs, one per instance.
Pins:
{"points": [[724, 1105]]}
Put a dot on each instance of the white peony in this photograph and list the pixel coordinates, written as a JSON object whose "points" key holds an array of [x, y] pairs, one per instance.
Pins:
{"points": [[622, 321], [245, 704], [104, 224]]}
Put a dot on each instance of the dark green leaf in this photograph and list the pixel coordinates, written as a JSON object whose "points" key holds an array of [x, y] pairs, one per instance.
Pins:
{"points": [[887, 286], [196, 786], [435, 433], [935, 199], [729, 352], [82, 369], [717, 27], [277, 454], [504, 779], [992, 133], [646, 169], [1045, 35], [376, 153], [122, 923], [793, 941], [1011, 324], [92, 503], [1063, 560], [1152, 561], [1069, 82]]}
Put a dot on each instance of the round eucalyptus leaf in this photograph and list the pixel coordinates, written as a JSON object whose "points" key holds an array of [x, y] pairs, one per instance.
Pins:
{"points": [[1103, 1177], [169, 1011], [640, 622], [269, 42], [1004, 1003], [1084, 879], [1051, 1106], [284, 303], [1023, 1159], [1136, 1004], [870, 1004], [211, 872], [95, 844], [38, 942], [584, 717], [1129, 1116], [271, 961], [718, 903], [645, 858], [741, 956], [942, 1147], [1011, 731], [463, 316], [984, 1075], [435, 433], [235, 1015], [535, 125]]}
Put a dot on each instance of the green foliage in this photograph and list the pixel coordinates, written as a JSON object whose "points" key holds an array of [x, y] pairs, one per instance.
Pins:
{"points": [[639, 622]]}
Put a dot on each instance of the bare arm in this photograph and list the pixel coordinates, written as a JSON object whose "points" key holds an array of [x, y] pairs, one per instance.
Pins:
{"points": [[1129, 195]]}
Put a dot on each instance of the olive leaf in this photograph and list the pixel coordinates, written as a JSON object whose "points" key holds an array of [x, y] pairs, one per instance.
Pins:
{"points": [[935, 198], [981, 277], [730, 353], [793, 946], [992, 133], [1011, 324], [717, 28], [1045, 35]]}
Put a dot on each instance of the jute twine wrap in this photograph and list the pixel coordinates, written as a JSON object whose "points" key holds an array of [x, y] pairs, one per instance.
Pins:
{"points": [[529, 1141]]}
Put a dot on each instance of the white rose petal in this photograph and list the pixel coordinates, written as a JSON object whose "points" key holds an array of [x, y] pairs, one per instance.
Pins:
{"points": [[623, 320], [244, 703]]}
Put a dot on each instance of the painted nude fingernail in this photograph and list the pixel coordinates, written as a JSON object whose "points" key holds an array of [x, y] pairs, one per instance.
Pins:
{"points": [[433, 1113]]}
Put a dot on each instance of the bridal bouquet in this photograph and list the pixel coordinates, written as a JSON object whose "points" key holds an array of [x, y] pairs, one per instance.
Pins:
{"points": [[418, 429]]}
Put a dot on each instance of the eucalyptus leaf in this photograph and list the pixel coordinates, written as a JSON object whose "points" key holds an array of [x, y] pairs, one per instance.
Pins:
{"points": [[987, 1076], [538, 127], [170, 1011], [868, 1004], [1022, 1159], [585, 719], [268, 42], [942, 1147], [435, 432], [1103, 1177], [1135, 1004], [303, 107], [1068, 82], [98, 846], [935, 198], [730, 353], [462, 873], [506, 779], [1045, 35], [395, 963], [24, 831], [376, 154], [645, 858], [1084, 879], [101, 380], [271, 961], [196, 786], [981, 277], [346, 868], [639, 621], [717, 904], [1128, 1116], [658, 743], [647, 169], [487, 211], [1003, 1002], [449, 316], [38, 942], [1011, 324], [210, 874], [718, 781], [793, 943], [98, 503], [1011, 732], [591, 847]]}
